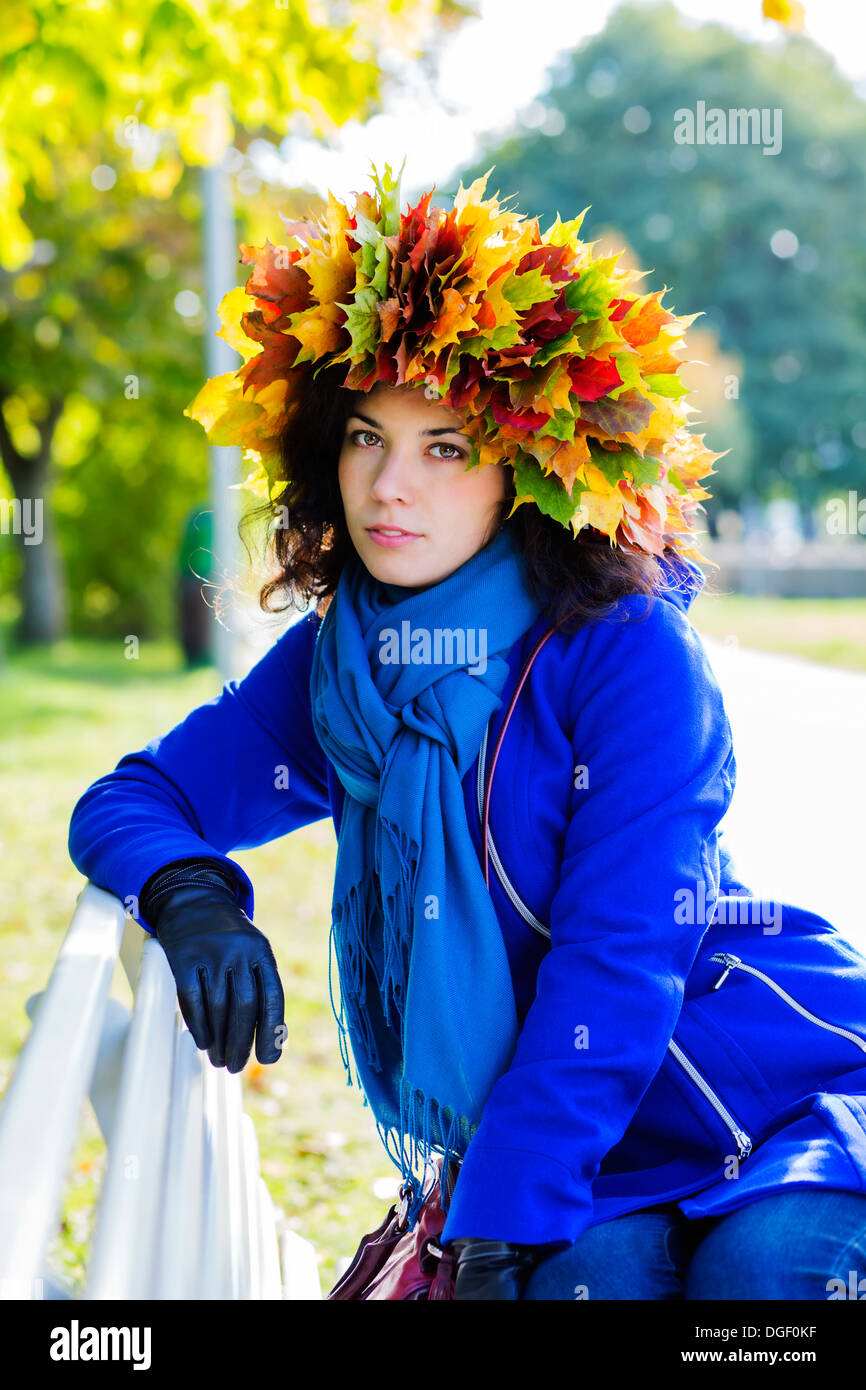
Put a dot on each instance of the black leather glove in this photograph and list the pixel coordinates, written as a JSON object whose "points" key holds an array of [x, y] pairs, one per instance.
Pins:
{"points": [[228, 986], [494, 1269]]}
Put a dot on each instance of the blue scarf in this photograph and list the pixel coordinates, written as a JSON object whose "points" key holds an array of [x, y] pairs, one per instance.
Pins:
{"points": [[425, 985]]}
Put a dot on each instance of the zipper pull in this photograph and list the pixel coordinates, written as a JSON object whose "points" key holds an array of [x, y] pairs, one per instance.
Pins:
{"points": [[730, 961], [744, 1141]]}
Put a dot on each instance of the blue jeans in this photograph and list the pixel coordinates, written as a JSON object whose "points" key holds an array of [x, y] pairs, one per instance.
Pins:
{"points": [[789, 1245]]}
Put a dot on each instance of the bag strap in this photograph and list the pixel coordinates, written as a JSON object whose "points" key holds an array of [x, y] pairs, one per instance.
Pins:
{"points": [[527, 666]]}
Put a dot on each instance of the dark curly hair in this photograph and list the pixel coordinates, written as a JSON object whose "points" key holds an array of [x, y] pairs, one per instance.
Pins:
{"points": [[575, 579]]}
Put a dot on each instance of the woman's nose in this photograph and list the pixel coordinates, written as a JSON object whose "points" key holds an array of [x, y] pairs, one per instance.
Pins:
{"points": [[393, 477]]}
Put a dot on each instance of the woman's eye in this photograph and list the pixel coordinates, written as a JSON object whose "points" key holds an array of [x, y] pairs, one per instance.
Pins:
{"points": [[367, 439]]}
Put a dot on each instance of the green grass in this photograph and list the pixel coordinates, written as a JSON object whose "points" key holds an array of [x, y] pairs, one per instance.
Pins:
{"points": [[830, 631], [66, 717]]}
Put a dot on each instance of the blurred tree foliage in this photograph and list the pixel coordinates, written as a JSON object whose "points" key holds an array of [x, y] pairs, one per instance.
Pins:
{"points": [[89, 328], [204, 71], [702, 217], [91, 338], [106, 109]]}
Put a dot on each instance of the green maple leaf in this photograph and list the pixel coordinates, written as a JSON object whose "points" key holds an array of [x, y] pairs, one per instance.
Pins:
{"points": [[561, 233], [626, 365], [615, 465], [388, 188], [375, 256], [561, 426], [362, 323], [666, 384], [591, 294], [506, 335], [533, 287], [595, 334], [546, 489]]}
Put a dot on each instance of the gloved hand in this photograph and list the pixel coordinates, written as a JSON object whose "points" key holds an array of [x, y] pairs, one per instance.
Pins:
{"points": [[228, 986], [494, 1269]]}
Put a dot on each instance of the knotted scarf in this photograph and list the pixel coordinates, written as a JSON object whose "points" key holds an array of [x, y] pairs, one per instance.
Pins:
{"points": [[403, 684]]}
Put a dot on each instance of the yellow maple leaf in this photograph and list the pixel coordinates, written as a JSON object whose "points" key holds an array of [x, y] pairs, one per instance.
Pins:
{"points": [[214, 399], [272, 399], [331, 265], [665, 420], [230, 309], [318, 332], [570, 460], [455, 317], [503, 309], [602, 513], [559, 393]]}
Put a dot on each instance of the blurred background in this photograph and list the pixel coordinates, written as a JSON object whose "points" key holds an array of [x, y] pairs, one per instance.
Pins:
{"points": [[719, 145]]}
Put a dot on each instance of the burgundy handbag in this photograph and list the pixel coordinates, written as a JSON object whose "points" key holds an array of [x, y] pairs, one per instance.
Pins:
{"points": [[393, 1262]]}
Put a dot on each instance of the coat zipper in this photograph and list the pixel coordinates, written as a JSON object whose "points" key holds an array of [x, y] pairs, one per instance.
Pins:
{"points": [[743, 1140], [732, 962], [512, 892]]}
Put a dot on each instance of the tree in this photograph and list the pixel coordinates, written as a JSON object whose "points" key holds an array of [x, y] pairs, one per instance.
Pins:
{"points": [[705, 219], [190, 68], [155, 86]]}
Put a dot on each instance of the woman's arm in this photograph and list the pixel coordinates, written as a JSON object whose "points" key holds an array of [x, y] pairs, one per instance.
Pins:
{"points": [[651, 729], [238, 771]]}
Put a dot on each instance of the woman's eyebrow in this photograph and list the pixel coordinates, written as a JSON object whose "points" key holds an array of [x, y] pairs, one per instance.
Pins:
{"points": [[368, 420]]}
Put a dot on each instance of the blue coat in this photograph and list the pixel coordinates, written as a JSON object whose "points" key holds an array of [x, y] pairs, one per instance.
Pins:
{"points": [[645, 1070]]}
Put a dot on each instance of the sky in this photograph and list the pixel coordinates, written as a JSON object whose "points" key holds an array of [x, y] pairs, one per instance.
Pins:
{"points": [[494, 67]]}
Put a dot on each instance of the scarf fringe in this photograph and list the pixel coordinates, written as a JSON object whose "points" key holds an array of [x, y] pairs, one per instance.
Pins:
{"points": [[346, 943], [397, 906], [417, 1150], [350, 925], [409, 1147]]}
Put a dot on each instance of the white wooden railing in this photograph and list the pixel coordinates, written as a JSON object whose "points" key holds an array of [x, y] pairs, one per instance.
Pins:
{"points": [[183, 1210]]}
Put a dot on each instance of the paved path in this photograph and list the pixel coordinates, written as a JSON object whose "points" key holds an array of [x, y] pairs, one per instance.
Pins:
{"points": [[796, 828]]}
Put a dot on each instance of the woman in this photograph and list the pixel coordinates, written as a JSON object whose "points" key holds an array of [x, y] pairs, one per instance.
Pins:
{"points": [[646, 1083]]}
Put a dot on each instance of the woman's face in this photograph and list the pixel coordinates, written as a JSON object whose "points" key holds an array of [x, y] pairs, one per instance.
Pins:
{"points": [[403, 468]]}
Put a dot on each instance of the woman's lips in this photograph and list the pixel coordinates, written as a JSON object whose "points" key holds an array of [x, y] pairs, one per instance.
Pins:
{"points": [[389, 538]]}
